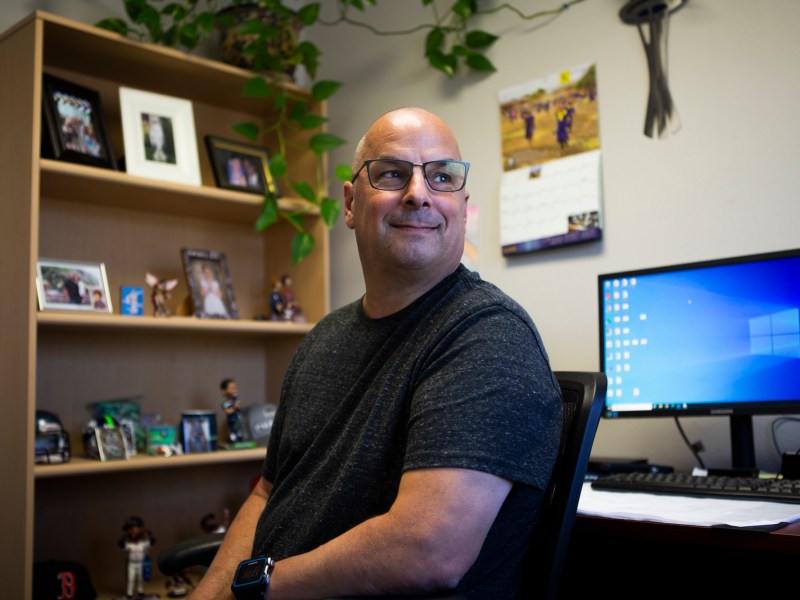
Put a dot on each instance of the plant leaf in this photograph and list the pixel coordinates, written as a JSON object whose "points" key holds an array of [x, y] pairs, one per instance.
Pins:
{"points": [[302, 245], [205, 20], [149, 17], [325, 142], [298, 110], [329, 210], [308, 14], [479, 39], [446, 63], [176, 11], [434, 41], [311, 121], [189, 35], [257, 87], [250, 131], [304, 190], [277, 165], [464, 8], [343, 172], [324, 89], [478, 62], [296, 220], [269, 212]]}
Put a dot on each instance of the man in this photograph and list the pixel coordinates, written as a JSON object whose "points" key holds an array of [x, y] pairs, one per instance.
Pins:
{"points": [[418, 426]]}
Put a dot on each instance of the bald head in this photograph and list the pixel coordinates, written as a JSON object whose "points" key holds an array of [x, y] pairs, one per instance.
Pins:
{"points": [[390, 123]]}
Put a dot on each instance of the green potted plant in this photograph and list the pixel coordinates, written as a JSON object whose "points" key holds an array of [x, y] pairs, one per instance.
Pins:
{"points": [[262, 35]]}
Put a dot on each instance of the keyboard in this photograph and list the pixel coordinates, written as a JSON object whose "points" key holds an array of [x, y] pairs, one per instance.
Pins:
{"points": [[751, 488]]}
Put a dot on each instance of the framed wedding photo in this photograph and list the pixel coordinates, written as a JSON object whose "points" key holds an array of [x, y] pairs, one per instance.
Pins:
{"points": [[210, 284], [238, 166], [74, 129], [159, 136], [72, 285]]}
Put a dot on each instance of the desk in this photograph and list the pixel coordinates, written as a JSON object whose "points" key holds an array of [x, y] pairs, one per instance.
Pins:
{"points": [[642, 559]]}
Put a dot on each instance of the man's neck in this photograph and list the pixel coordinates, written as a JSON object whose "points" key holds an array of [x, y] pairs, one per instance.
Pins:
{"points": [[387, 294]]}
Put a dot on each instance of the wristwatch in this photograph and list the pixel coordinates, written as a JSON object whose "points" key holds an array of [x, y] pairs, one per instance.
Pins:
{"points": [[252, 579]]}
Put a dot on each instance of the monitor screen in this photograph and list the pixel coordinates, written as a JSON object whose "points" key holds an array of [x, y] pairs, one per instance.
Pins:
{"points": [[717, 337]]}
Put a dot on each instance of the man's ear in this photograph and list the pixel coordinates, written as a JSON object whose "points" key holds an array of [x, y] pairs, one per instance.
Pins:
{"points": [[349, 218]]}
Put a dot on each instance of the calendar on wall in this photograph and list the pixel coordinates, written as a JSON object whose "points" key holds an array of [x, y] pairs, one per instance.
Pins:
{"points": [[551, 189]]}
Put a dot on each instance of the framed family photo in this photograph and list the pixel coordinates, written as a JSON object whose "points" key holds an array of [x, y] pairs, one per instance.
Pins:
{"points": [[74, 128], [159, 136], [242, 167], [210, 284], [72, 285]]}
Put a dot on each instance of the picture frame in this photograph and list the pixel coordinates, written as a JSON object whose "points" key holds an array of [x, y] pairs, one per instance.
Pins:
{"points": [[72, 285], [210, 284], [74, 127], [131, 300], [239, 166], [159, 136], [198, 431]]}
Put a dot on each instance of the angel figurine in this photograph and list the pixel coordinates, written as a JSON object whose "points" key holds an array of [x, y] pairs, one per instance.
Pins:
{"points": [[160, 294]]}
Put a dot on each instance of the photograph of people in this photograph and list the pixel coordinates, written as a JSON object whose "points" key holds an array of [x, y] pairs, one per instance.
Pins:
{"points": [[251, 172], [236, 175], [211, 293], [158, 142], [75, 116]]}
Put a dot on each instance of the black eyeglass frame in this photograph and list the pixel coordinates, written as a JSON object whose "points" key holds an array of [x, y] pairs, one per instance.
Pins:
{"points": [[366, 164]]}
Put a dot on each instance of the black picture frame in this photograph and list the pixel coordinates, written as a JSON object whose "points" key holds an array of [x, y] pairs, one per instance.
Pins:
{"points": [[241, 167], [74, 127], [210, 284], [198, 431]]}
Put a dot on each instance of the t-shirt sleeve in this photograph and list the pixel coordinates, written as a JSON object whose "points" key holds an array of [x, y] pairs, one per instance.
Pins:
{"points": [[486, 399]]}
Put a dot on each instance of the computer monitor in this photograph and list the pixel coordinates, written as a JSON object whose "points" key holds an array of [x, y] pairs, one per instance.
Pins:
{"points": [[720, 337]]}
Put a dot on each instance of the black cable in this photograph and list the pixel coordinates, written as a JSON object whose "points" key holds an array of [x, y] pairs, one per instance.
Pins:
{"points": [[692, 447], [777, 422]]}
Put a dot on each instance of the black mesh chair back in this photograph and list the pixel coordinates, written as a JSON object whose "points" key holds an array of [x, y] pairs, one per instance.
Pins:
{"points": [[583, 394]]}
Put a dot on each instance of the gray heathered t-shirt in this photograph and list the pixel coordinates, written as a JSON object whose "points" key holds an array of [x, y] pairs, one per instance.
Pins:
{"points": [[457, 379]]}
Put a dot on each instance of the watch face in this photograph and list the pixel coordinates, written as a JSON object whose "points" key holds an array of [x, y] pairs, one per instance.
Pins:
{"points": [[250, 571]]}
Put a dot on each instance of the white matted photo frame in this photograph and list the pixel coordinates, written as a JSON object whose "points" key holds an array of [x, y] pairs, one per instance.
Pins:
{"points": [[210, 284], [239, 166], [159, 136], [72, 285], [75, 129]]}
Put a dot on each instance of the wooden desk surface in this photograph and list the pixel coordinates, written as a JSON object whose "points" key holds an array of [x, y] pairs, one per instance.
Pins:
{"points": [[783, 540], [635, 560]]}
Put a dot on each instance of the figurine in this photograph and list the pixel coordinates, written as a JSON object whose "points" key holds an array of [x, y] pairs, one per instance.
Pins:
{"points": [[209, 523], [161, 293], [233, 410], [178, 585], [136, 542], [276, 306], [291, 309], [282, 302]]}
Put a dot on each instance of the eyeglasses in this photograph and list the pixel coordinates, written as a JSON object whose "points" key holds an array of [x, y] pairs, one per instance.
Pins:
{"points": [[391, 175]]}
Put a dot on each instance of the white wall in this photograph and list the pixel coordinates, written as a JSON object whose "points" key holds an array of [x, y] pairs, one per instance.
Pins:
{"points": [[724, 185]]}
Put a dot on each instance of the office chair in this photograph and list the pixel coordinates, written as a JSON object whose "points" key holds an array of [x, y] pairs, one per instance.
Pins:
{"points": [[583, 393]]}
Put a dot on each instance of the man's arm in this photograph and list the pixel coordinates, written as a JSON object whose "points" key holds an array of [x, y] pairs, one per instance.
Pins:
{"points": [[427, 541], [236, 547]]}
